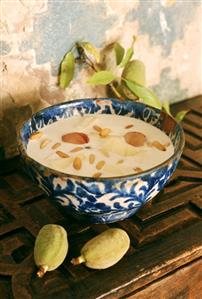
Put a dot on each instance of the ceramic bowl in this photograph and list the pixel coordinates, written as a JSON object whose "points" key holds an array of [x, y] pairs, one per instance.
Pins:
{"points": [[102, 200]]}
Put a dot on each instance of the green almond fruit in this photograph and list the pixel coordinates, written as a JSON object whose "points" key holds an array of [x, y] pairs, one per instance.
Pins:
{"points": [[135, 71], [104, 250], [50, 249]]}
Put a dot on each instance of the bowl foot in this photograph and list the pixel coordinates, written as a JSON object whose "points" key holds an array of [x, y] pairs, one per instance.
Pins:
{"points": [[108, 217]]}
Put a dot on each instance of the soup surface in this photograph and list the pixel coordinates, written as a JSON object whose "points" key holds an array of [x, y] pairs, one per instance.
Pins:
{"points": [[101, 145]]}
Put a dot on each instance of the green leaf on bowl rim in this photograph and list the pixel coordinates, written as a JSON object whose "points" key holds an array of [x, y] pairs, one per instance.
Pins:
{"points": [[102, 77], [166, 107], [143, 93], [180, 115]]}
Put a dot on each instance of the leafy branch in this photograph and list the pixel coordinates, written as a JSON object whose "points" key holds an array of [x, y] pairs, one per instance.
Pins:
{"points": [[131, 84]]}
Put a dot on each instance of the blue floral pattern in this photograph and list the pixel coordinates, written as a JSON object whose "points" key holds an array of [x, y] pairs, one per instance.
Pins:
{"points": [[104, 199]]}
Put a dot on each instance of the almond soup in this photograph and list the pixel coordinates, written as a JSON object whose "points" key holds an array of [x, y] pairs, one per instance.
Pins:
{"points": [[101, 145]]}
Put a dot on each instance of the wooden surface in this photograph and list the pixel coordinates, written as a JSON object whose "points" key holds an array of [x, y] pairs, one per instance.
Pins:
{"points": [[165, 257], [184, 283]]}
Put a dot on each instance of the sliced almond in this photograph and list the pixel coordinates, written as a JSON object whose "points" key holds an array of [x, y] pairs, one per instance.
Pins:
{"points": [[91, 158], [62, 154], [138, 169], [158, 145], [105, 152], [44, 143], [76, 149], [120, 161], [105, 132], [97, 175], [36, 135], [75, 138], [56, 145], [77, 163], [128, 126], [97, 128], [135, 138], [100, 165]]}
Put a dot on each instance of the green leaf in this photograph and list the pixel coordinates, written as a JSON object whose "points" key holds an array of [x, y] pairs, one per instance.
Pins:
{"points": [[90, 51], [129, 54], [66, 70], [180, 115], [166, 107], [144, 93], [119, 52], [102, 77], [134, 71]]}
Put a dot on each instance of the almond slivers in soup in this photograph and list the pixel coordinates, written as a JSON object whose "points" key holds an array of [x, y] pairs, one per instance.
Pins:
{"points": [[100, 145]]}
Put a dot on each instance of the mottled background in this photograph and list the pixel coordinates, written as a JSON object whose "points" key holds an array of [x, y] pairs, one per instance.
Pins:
{"points": [[35, 34]]}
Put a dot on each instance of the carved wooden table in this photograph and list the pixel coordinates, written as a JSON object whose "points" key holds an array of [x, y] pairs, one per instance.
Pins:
{"points": [[165, 257]]}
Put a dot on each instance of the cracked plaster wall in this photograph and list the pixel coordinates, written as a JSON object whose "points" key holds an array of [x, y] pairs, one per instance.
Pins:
{"points": [[35, 34]]}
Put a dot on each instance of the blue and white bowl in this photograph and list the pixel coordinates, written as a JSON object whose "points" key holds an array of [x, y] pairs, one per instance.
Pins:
{"points": [[102, 200]]}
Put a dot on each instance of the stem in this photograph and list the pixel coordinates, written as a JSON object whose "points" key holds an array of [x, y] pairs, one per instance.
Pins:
{"points": [[42, 270], [78, 260], [94, 68], [116, 91], [90, 63]]}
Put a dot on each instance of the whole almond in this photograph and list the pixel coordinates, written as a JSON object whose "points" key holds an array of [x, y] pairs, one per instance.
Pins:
{"points": [[97, 128], [36, 135], [135, 138], [77, 163], [75, 138], [44, 143], [105, 132], [119, 161], [158, 145], [56, 145], [62, 154], [100, 165], [91, 158], [76, 149], [97, 175]]}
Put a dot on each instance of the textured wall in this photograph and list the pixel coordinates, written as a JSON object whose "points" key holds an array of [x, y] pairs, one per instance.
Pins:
{"points": [[35, 34]]}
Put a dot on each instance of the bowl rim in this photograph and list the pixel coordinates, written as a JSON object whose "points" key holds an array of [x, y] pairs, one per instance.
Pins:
{"points": [[53, 171]]}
